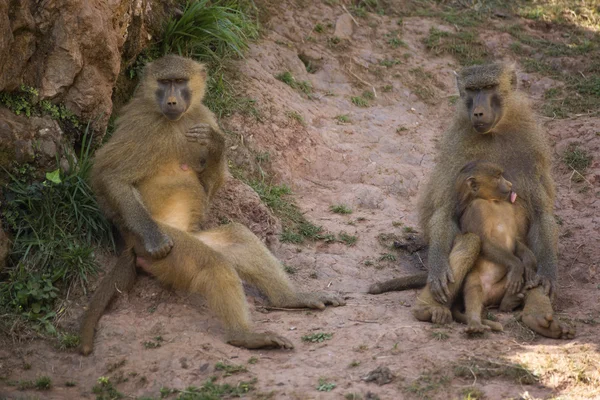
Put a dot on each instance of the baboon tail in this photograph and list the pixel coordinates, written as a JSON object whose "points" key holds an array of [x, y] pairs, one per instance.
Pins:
{"points": [[119, 279], [406, 282]]}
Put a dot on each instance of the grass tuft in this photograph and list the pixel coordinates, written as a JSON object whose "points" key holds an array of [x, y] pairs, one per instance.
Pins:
{"points": [[209, 31], [56, 224]]}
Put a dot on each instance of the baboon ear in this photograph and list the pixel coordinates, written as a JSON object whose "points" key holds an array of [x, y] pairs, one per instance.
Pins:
{"points": [[458, 84], [202, 71], [472, 182]]}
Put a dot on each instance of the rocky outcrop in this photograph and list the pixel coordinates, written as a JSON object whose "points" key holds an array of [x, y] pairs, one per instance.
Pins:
{"points": [[71, 50]]}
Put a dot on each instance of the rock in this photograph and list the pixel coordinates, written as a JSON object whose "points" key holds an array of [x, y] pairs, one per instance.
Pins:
{"points": [[71, 50], [32, 139], [381, 375], [236, 201], [344, 26]]}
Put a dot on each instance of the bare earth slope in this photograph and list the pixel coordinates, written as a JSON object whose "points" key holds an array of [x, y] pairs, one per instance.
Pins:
{"points": [[375, 164]]}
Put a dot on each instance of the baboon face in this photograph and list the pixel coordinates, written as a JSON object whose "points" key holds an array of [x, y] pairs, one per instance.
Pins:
{"points": [[484, 106], [173, 96], [491, 187]]}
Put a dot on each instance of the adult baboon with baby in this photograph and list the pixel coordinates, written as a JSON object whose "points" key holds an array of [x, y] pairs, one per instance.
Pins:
{"points": [[155, 179], [493, 122]]}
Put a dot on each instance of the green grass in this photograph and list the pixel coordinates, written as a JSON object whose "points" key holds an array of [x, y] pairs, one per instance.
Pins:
{"points": [[343, 118], [317, 337], [153, 344], [348, 240], [359, 101], [68, 341], [387, 257], [340, 209], [43, 383], [465, 46], [296, 228], [104, 390], [287, 78], [209, 31], [214, 391], [296, 116], [230, 369], [325, 386], [56, 224], [578, 159]]}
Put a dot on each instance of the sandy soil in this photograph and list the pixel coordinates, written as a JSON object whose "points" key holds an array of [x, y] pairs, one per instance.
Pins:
{"points": [[374, 164]]}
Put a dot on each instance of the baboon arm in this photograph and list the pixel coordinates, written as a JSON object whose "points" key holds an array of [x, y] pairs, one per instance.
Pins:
{"points": [[213, 176], [529, 261], [443, 230], [499, 255], [128, 206], [542, 240]]}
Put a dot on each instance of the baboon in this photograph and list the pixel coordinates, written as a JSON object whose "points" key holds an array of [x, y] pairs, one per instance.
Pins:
{"points": [[487, 207], [493, 122], [155, 179]]}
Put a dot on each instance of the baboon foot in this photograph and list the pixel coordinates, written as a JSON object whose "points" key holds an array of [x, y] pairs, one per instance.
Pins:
{"points": [[496, 326], [476, 327], [437, 314], [547, 326], [318, 300], [255, 340]]}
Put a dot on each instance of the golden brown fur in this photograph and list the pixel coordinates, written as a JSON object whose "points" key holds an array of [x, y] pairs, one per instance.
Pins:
{"points": [[487, 209], [492, 122], [155, 179]]}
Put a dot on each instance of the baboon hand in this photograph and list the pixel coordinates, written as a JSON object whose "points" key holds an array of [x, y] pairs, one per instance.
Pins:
{"points": [[158, 245], [438, 284], [514, 281], [201, 134]]}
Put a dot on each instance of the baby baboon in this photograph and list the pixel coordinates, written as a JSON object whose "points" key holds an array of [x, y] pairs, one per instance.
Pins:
{"points": [[154, 179], [487, 208], [493, 122]]}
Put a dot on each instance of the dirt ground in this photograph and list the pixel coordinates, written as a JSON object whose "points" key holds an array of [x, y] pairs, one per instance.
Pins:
{"points": [[375, 163]]}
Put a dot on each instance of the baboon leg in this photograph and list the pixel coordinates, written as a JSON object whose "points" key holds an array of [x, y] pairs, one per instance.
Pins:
{"points": [[538, 316], [462, 258], [194, 266], [473, 293], [511, 301], [403, 283], [256, 265], [120, 279]]}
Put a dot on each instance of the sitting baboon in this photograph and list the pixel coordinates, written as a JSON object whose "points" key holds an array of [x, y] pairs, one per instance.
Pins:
{"points": [[487, 208], [493, 122], [154, 179]]}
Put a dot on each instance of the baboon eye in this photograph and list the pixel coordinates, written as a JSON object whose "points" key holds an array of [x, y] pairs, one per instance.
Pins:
{"points": [[163, 81], [179, 80]]}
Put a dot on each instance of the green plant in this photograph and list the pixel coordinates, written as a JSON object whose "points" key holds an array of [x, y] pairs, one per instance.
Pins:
{"points": [[212, 391], [55, 224], [325, 386], [43, 383], [68, 341], [359, 101], [348, 240], [295, 115], [20, 101], [577, 158], [317, 337], [153, 344], [104, 390], [343, 118], [230, 369], [340, 209], [387, 257], [287, 78], [209, 31]]}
